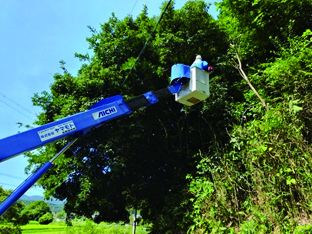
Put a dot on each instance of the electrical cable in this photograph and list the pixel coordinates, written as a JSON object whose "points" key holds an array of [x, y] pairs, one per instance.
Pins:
{"points": [[17, 104], [151, 35], [16, 109], [12, 185], [133, 6], [11, 176], [8, 184]]}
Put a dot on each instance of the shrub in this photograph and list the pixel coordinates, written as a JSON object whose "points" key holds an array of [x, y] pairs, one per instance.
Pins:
{"points": [[15, 214], [46, 218], [10, 229], [36, 209]]}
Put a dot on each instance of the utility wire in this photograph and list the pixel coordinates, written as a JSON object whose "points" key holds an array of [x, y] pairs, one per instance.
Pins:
{"points": [[11, 176], [17, 104], [8, 184], [133, 7], [14, 186], [151, 35], [16, 109]]}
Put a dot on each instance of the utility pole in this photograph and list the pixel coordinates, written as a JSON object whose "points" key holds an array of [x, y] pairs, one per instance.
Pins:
{"points": [[134, 221]]}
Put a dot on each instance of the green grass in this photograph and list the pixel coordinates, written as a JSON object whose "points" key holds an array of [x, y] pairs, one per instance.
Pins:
{"points": [[81, 227], [53, 228]]}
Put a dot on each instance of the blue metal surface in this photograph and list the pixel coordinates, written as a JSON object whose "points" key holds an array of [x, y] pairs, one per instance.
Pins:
{"points": [[175, 88], [180, 72], [150, 97], [9, 201], [76, 124], [202, 65], [108, 100]]}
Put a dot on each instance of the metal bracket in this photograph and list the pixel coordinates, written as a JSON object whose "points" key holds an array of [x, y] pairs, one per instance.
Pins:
{"points": [[150, 97]]}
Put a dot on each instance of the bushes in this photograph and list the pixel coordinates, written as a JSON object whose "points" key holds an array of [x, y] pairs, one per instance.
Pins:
{"points": [[15, 214], [36, 209], [46, 218], [89, 227], [10, 229], [260, 181]]}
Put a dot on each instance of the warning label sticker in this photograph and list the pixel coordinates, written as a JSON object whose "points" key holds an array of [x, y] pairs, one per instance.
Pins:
{"points": [[57, 130]]}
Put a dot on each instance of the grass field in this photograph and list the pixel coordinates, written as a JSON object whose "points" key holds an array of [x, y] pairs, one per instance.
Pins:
{"points": [[53, 228], [83, 227]]}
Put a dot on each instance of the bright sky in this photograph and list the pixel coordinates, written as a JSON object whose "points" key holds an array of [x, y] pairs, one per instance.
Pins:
{"points": [[35, 36]]}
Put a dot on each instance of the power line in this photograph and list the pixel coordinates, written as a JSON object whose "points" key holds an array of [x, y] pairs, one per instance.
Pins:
{"points": [[17, 104], [133, 6], [12, 185], [151, 35], [16, 109], [32, 189], [11, 176]]}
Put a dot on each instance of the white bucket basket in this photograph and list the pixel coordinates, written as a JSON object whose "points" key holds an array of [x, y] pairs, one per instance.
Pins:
{"points": [[196, 90]]}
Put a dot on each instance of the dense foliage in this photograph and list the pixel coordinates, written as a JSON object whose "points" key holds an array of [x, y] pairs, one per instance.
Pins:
{"points": [[14, 214], [261, 180], [10, 229], [89, 227], [36, 209], [46, 218], [11, 220], [224, 165], [61, 215]]}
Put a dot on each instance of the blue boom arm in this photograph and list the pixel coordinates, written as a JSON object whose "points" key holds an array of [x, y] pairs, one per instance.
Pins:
{"points": [[77, 125]]}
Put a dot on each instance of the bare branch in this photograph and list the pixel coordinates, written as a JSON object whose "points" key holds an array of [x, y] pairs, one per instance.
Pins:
{"points": [[239, 67]]}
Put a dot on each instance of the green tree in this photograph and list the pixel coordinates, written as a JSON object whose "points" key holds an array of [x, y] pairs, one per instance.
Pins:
{"points": [[36, 209], [10, 229], [14, 214], [61, 215], [260, 182], [140, 161], [258, 24]]}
